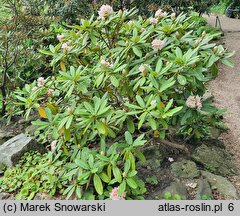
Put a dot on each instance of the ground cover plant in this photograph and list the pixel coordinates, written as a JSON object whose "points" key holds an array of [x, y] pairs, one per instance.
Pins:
{"points": [[119, 82]]}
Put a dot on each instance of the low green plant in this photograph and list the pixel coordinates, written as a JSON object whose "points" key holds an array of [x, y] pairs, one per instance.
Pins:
{"points": [[152, 180], [170, 196], [34, 173]]}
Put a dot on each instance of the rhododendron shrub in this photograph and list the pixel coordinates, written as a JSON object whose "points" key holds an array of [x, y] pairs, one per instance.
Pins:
{"points": [[119, 81]]}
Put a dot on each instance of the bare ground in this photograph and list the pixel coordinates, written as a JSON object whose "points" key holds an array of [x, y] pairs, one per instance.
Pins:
{"points": [[226, 89]]}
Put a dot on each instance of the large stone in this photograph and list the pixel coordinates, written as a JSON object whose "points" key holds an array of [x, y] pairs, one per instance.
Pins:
{"points": [[221, 184], [203, 190], [214, 159], [176, 188], [185, 169], [12, 150]]}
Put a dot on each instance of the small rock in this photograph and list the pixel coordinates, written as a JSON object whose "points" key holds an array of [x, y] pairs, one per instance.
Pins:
{"points": [[214, 159], [176, 188], [221, 184], [185, 169], [6, 196], [203, 190], [42, 196], [12, 150], [30, 130]]}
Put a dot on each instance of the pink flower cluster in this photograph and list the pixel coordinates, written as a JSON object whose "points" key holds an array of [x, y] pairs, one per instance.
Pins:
{"points": [[114, 194], [153, 20], [157, 44], [194, 102], [105, 10], [65, 46], [159, 13], [40, 81], [50, 93], [53, 145], [60, 37], [106, 63], [153, 102], [173, 15], [143, 68]]}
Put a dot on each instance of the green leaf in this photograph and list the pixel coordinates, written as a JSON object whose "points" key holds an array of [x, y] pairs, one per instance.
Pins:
{"points": [[152, 123], [131, 183], [228, 62], [166, 84], [120, 68], [140, 155], [140, 101], [104, 177], [168, 105], [114, 81], [137, 52], [122, 188], [182, 80], [172, 112], [159, 65], [79, 192], [117, 174], [98, 184], [142, 119], [127, 166], [130, 126], [46, 52], [82, 164], [128, 138]]}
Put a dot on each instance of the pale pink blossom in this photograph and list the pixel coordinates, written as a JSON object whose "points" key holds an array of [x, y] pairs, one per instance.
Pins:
{"points": [[50, 92], [65, 46], [40, 81], [157, 44], [35, 88], [106, 63], [143, 68], [60, 37], [194, 102], [153, 20], [114, 194], [143, 30], [105, 11], [159, 13], [53, 144], [153, 102], [173, 15]]}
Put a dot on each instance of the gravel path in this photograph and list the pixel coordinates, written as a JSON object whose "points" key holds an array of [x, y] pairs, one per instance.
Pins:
{"points": [[226, 87]]}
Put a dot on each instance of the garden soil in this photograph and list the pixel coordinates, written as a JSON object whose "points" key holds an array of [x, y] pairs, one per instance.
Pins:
{"points": [[226, 88]]}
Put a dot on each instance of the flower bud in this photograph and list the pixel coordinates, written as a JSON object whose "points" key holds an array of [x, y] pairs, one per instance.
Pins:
{"points": [[69, 110], [178, 36], [120, 12], [196, 43], [215, 49], [204, 34]]}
